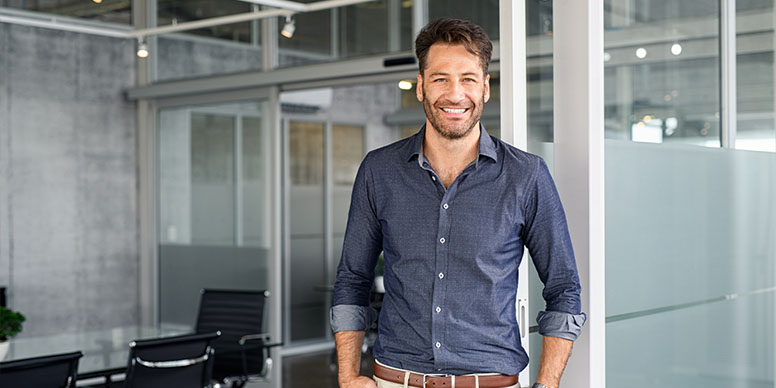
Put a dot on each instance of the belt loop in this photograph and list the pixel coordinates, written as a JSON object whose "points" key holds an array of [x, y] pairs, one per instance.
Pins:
{"points": [[424, 381], [406, 379], [476, 381], [452, 379]]}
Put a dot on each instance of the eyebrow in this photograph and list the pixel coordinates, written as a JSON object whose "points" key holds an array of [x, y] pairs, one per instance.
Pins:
{"points": [[470, 73]]}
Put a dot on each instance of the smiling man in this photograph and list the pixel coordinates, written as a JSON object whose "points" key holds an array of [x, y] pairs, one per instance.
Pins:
{"points": [[452, 209]]}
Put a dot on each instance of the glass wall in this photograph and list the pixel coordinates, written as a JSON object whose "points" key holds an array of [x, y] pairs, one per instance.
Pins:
{"points": [[690, 253], [224, 49], [363, 29], [329, 131], [307, 226], [214, 203], [662, 71], [483, 13]]}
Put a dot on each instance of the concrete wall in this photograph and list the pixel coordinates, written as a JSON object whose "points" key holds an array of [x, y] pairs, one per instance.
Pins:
{"points": [[68, 180]]}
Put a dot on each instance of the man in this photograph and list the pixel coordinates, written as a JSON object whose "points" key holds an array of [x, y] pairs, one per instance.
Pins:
{"points": [[451, 208]]}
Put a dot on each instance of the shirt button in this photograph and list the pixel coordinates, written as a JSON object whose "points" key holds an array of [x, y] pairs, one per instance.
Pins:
{"points": [[433, 178], [441, 275], [445, 206], [442, 240], [438, 345], [438, 309]]}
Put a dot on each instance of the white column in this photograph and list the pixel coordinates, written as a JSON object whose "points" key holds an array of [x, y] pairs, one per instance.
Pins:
{"points": [[579, 170], [727, 53], [514, 129]]}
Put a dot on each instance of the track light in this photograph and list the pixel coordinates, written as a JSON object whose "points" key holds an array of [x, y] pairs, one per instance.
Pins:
{"points": [[289, 28], [142, 49]]}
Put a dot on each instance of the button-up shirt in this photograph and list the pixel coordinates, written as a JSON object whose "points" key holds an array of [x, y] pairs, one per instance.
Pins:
{"points": [[452, 256]]}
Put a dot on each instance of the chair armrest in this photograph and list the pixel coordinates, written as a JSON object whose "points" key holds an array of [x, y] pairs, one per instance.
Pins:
{"points": [[174, 363], [253, 337]]}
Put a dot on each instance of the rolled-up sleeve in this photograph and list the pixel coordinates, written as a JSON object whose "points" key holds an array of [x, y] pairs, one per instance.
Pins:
{"points": [[361, 247], [546, 236]]}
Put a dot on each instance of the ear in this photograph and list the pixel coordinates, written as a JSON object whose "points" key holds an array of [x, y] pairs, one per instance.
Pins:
{"points": [[419, 88], [487, 88]]}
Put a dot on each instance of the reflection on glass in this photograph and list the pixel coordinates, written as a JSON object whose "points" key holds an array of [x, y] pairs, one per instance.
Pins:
{"points": [[483, 12], [223, 49], [177, 11], [345, 32], [213, 203], [755, 76], [306, 213], [662, 71], [110, 11]]}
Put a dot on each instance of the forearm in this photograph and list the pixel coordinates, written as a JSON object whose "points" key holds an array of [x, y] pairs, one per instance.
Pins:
{"points": [[348, 354], [555, 354]]}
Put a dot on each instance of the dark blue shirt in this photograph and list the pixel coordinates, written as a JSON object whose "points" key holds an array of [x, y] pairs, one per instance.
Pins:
{"points": [[452, 257]]}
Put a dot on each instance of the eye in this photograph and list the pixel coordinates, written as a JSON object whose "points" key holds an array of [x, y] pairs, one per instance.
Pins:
{"points": [[440, 80]]}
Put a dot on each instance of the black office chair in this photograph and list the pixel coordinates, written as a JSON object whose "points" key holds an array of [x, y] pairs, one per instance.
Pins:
{"points": [[242, 351], [184, 361], [56, 371]]}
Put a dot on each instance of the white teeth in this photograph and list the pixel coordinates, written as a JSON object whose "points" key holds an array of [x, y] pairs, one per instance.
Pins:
{"points": [[448, 110]]}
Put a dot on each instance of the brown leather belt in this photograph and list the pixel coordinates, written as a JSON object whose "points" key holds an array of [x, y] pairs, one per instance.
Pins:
{"points": [[416, 380]]}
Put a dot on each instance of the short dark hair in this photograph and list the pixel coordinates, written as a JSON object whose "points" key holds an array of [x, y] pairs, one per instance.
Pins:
{"points": [[454, 31]]}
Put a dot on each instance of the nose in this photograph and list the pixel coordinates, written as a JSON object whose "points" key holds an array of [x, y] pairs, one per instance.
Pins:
{"points": [[455, 92]]}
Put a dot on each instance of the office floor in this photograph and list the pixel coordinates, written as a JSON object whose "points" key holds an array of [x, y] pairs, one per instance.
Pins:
{"points": [[315, 370]]}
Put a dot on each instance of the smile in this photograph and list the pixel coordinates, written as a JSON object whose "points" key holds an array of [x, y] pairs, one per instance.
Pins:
{"points": [[455, 110]]}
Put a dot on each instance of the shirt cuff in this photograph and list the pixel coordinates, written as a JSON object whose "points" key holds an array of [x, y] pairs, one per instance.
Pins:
{"points": [[560, 324], [348, 317]]}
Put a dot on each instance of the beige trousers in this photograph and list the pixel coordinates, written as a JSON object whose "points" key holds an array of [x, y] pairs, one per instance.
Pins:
{"points": [[388, 384]]}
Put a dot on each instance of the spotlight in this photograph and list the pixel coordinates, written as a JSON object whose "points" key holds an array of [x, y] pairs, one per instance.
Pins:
{"points": [[641, 52], [289, 28], [142, 49], [607, 56], [405, 85], [97, 1], [676, 49]]}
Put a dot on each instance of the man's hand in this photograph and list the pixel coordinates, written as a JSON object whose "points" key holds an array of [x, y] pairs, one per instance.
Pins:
{"points": [[555, 354], [349, 360], [358, 382]]}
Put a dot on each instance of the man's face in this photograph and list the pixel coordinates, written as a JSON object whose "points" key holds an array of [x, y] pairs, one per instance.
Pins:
{"points": [[453, 90]]}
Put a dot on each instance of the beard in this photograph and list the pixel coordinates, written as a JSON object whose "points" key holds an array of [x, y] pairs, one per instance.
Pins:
{"points": [[453, 129]]}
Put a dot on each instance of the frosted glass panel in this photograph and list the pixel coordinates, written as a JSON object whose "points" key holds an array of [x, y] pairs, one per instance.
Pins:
{"points": [[690, 271]]}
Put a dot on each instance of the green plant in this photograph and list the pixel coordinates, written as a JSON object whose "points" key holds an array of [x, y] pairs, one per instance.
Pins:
{"points": [[10, 323]]}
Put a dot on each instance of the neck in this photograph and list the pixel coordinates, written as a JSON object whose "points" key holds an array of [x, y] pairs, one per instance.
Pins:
{"points": [[451, 154]]}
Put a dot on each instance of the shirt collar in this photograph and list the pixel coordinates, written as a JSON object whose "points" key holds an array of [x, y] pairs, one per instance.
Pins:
{"points": [[486, 145]]}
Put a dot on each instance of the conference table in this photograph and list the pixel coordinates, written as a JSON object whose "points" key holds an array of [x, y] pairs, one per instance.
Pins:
{"points": [[105, 351]]}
